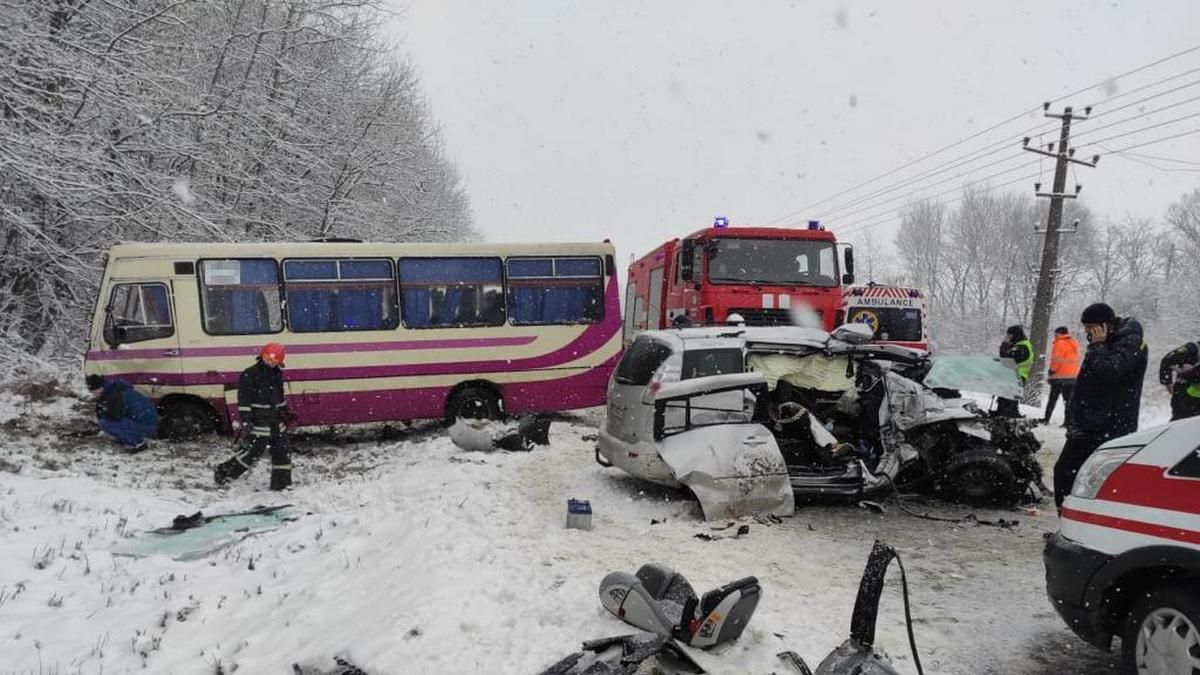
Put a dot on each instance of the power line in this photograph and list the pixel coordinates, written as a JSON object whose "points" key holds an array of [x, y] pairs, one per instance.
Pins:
{"points": [[1040, 128], [971, 137], [870, 201], [1110, 111], [887, 219], [876, 204], [868, 223], [933, 171], [1158, 158], [952, 190], [1144, 114], [1157, 140], [1143, 162], [1138, 131]]}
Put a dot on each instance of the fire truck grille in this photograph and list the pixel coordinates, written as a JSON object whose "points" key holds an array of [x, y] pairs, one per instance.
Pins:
{"points": [[764, 317]]}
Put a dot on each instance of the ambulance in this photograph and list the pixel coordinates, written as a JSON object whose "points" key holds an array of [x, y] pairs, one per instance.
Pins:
{"points": [[897, 314]]}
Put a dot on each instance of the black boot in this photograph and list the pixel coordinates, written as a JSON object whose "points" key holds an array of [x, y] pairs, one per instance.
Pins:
{"points": [[281, 463], [281, 477]]}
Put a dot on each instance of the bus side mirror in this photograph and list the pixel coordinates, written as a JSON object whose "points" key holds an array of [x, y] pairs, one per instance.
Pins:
{"points": [[848, 276], [687, 257]]}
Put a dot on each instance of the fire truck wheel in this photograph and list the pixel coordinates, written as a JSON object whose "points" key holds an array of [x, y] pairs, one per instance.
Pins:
{"points": [[1162, 632]]}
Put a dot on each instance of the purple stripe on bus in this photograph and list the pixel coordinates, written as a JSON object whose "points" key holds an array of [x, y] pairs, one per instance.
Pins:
{"points": [[251, 351], [578, 391], [590, 340]]}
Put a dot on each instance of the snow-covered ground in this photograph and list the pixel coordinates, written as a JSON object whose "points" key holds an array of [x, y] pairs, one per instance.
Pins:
{"points": [[416, 557]]}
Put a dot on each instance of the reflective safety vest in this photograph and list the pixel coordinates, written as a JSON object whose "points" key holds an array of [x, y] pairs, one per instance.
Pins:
{"points": [[1025, 366]]}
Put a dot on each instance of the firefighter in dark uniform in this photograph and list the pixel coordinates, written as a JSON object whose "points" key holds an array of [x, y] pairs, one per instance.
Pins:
{"points": [[263, 411], [1180, 372]]}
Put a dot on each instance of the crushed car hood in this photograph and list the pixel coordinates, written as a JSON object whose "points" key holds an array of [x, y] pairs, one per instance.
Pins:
{"points": [[734, 470]]}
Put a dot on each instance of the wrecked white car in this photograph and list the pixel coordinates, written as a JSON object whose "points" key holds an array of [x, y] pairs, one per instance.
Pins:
{"points": [[847, 418]]}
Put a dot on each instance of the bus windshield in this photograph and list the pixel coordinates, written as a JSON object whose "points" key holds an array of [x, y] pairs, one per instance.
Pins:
{"points": [[791, 262]]}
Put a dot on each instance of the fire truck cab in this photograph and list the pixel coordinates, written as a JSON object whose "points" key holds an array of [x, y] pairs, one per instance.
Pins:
{"points": [[761, 274], [897, 314]]}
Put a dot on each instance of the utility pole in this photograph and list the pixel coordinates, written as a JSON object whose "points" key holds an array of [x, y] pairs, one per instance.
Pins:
{"points": [[1043, 300]]}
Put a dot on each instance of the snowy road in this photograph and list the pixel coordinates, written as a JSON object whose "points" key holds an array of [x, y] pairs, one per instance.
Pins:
{"points": [[418, 558]]}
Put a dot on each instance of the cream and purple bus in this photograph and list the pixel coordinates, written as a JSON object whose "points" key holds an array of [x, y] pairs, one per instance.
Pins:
{"points": [[374, 332]]}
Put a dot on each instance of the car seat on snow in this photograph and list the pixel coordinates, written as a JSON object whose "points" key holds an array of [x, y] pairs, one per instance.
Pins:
{"points": [[660, 600]]}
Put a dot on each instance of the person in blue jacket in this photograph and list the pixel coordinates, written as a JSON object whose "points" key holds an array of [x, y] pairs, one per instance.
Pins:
{"points": [[123, 413]]}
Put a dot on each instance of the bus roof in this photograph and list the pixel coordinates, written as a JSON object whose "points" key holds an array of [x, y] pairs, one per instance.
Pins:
{"points": [[357, 249]]}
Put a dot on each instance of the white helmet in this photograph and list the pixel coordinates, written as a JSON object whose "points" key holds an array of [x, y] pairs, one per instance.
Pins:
{"points": [[735, 319]]}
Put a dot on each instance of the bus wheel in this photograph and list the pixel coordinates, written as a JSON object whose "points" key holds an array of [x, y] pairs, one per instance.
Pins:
{"points": [[184, 418], [473, 403]]}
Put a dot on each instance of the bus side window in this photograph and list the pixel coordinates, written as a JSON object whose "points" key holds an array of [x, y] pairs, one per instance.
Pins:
{"points": [[558, 290], [240, 296], [451, 292], [138, 312], [326, 295]]}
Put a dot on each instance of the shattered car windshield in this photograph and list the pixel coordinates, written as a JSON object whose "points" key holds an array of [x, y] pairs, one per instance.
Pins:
{"points": [[978, 374]]}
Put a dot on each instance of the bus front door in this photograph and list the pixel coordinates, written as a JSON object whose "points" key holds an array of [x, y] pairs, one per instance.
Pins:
{"points": [[138, 340]]}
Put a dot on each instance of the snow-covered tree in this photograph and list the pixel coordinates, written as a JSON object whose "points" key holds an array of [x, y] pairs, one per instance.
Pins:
{"points": [[200, 120]]}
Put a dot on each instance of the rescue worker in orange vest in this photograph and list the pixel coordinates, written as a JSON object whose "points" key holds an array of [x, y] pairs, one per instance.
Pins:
{"points": [[262, 409], [1064, 367], [1179, 370]]}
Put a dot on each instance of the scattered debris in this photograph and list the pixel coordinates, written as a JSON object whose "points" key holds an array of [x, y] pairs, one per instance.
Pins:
{"points": [[342, 667], [742, 530], [625, 654], [488, 435]]}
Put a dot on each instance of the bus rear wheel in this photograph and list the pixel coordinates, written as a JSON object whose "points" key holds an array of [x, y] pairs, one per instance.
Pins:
{"points": [[184, 418], [473, 403]]}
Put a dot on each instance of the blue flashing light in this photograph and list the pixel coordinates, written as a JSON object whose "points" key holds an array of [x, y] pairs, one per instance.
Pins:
{"points": [[720, 222], [814, 224]]}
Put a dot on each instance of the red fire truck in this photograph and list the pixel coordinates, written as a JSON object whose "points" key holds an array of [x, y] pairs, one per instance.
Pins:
{"points": [[759, 273]]}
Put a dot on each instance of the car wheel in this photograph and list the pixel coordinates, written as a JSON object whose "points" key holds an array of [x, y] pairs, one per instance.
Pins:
{"points": [[979, 476], [1162, 633], [473, 403], [185, 418]]}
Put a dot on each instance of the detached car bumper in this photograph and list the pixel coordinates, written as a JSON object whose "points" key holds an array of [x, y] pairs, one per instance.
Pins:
{"points": [[1070, 568]]}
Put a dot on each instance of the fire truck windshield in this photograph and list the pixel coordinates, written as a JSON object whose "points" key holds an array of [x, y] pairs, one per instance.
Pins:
{"points": [[783, 262]]}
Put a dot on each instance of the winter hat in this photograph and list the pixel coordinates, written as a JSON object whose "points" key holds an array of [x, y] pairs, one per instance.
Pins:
{"points": [[94, 382], [1061, 330], [1097, 314], [1016, 332]]}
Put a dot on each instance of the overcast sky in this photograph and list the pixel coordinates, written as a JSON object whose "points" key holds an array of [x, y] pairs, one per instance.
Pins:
{"points": [[641, 121]]}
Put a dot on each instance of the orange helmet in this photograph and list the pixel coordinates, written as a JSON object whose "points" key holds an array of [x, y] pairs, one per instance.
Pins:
{"points": [[272, 354]]}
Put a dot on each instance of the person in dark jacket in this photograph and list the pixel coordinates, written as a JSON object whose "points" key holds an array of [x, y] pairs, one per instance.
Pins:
{"points": [[1018, 348], [123, 413], [262, 409], [1108, 391], [1179, 371]]}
